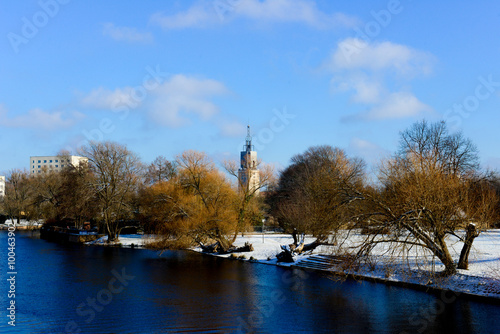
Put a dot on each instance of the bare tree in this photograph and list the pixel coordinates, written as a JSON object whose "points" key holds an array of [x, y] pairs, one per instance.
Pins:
{"points": [[77, 198], [160, 170], [46, 191], [250, 207], [18, 194], [313, 192], [116, 173], [430, 190]]}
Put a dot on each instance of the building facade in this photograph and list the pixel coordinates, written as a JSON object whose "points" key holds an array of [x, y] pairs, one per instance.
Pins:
{"points": [[2, 186], [248, 174], [40, 164]]}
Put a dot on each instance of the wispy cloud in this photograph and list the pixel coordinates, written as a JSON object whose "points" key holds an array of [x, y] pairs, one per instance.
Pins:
{"points": [[40, 120], [183, 96], [395, 106], [197, 16], [377, 75], [203, 14], [355, 54], [126, 34], [173, 103], [106, 99]]}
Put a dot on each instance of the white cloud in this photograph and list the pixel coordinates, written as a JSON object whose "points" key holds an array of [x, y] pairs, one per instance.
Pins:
{"points": [[102, 98], [126, 34], [398, 105], [282, 11], [196, 16], [183, 96], [171, 103], [353, 53], [378, 76], [40, 120], [395, 106], [366, 89], [298, 11]]}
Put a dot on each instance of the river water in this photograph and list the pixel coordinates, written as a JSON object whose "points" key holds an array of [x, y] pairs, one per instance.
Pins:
{"points": [[92, 289]]}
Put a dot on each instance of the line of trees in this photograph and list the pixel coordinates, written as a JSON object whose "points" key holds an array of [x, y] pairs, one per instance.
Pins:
{"points": [[187, 201], [430, 190]]}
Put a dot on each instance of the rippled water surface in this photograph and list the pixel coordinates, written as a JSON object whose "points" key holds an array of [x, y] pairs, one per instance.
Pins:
{"points": [[81, 289]]}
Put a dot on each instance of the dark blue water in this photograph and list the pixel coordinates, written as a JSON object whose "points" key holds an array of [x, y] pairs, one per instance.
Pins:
{"points": [[82, 289]]}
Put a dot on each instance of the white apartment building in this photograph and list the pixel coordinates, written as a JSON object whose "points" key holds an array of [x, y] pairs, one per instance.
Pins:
{"points": [[40, 164], [2, 186]]}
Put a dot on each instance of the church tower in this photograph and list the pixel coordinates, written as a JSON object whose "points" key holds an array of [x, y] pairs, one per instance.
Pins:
{"points": [[248, 174]]}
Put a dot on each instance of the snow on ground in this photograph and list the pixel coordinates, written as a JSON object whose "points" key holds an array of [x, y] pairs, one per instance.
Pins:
{"points": [[482, 278], [126, 240], [22, 223]]}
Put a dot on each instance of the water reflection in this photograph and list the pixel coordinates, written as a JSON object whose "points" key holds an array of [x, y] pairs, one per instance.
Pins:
{"points": [[188, 292]]}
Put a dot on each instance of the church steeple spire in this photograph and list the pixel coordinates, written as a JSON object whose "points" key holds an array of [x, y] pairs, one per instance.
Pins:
{"points": [[248, 144], [248, 174]]}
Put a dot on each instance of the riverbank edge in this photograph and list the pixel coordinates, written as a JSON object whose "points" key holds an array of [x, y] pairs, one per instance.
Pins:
{"points": [[341, 275]]}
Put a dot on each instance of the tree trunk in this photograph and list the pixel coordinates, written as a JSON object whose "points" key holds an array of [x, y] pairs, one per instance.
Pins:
{"points": [[294, 235], [444, 255], [471, 234]]}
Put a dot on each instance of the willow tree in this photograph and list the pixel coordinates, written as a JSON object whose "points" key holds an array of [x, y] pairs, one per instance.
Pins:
{"points": [[430, 190], [197, 206], [116, 173], [213, 214]]}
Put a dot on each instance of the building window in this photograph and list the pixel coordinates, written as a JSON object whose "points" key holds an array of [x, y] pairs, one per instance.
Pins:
{"points": [[50, 161], [39, 166], [57, 166], [57, 160], [39, 161], [45, 161]]}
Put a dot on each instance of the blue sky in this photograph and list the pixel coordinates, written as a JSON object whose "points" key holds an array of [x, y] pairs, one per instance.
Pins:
{"points": [[165, 76]]}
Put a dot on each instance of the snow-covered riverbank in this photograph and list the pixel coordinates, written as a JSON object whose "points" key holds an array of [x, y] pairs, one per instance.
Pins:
{"points": [[482, 278]]}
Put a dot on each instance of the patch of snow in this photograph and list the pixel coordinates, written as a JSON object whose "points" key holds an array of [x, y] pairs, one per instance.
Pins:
{"points": [[125, 240]]}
